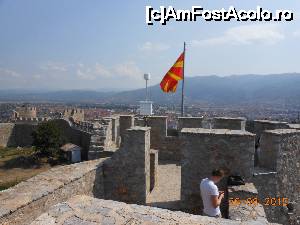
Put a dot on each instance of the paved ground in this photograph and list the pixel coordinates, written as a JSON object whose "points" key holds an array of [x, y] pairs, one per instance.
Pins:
{"points": [[167, 193], [85, 210]]}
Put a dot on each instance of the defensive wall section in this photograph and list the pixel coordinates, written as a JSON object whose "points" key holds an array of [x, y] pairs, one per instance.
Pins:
{"points": [[74, 114], [23, 203], [189, 122], [131, 173], [279, 157], [206, 149], [74, 135], [25, 112], [6, 130], [14, 135], [88, 135], [229, 123], [234, 150], [129, 180], [129, 176]]}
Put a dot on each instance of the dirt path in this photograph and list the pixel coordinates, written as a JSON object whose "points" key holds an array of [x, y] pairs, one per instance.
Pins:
{"points": [[167, 193]]}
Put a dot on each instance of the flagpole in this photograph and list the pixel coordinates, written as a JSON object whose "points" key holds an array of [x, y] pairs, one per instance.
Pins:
{"points": [[182, 88]]}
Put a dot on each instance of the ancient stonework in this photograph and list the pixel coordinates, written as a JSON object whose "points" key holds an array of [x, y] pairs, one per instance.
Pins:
{"points": [[280, 152], [207, 149], [229, 123], [148, 167], [244, 204], [189, 122], [89, 211], [24, 202], [6, 130], [125, 180]]}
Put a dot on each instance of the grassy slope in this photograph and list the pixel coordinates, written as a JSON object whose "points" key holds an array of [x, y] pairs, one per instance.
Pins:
{"points": [[17, 165]]}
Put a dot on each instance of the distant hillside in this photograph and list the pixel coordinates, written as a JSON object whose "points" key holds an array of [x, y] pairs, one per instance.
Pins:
{"points": [[279, 88], [54, 96], [227, 90]]}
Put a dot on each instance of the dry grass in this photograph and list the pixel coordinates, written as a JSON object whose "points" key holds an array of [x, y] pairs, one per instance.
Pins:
{"points": [[19, 164]]}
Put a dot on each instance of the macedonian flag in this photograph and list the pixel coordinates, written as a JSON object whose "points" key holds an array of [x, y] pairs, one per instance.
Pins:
{"points": [[170, 80]]}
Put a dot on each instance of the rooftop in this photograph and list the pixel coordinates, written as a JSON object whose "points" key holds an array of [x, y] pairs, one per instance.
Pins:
{"points": [[69, 147]]}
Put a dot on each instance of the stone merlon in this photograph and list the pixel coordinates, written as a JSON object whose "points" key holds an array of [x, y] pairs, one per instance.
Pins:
{"points": [[190, 131]]}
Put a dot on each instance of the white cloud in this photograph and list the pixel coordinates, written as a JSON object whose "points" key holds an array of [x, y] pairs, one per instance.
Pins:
{"points": [[245, 35], [85, 73], [96, 71], [8, 73], [128, 69], [92, 72], [101, 70], [150, 46], [54, 66]]}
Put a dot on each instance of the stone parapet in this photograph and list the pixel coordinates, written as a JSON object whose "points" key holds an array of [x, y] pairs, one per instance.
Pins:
{"points": [[22, 203], [238, 123], [189, 122], [127, 173], [294, 126], [125, 122], [206, 149], [244, 204], [6, 131], [261, 125]]}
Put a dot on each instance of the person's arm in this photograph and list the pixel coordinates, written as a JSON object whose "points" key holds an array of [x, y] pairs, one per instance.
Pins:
{"points": [[216, 199]]}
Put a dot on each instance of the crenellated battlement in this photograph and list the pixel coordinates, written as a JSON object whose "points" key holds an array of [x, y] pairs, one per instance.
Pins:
{"points": [[31, 120], [74, 114], [142, 152], [24, 112]]}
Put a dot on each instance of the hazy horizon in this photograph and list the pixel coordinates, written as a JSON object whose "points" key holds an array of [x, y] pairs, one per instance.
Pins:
{"points": [[106, 90]]}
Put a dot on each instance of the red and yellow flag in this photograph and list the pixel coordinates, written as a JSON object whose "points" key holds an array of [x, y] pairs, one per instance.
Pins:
{"points": [[170, 80]]}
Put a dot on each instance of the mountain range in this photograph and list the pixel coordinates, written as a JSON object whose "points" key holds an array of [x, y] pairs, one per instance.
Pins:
{"points": [[235, 89]]}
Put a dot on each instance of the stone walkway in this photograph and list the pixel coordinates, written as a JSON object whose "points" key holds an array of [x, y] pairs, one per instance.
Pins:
{"points": [[85, 210], [167, 193]]}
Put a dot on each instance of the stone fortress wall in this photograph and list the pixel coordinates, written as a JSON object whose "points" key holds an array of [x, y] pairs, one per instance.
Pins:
{"points": [[75, 114], [280, 157], [26, 112], [27, 200], [129, 175], [93, 137], [204, 150]]}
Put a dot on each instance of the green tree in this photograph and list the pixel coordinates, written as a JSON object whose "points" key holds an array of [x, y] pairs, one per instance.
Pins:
{"points": [[47, 139]]}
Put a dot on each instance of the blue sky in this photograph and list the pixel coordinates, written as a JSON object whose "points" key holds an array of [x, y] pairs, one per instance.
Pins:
{"points": [[104, 45]]}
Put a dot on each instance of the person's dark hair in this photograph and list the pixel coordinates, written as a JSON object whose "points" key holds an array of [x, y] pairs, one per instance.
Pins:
{"points": [[217, 173]]}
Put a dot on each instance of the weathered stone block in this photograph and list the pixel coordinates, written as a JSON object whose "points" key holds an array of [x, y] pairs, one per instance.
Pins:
{"points": [[189, 122], [229, 123], [21, 204], [206, 149], [127, 173], [126, 122]]}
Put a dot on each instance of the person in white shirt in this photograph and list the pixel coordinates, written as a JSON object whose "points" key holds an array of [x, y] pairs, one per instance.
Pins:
{"points": [[210, 194]]}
